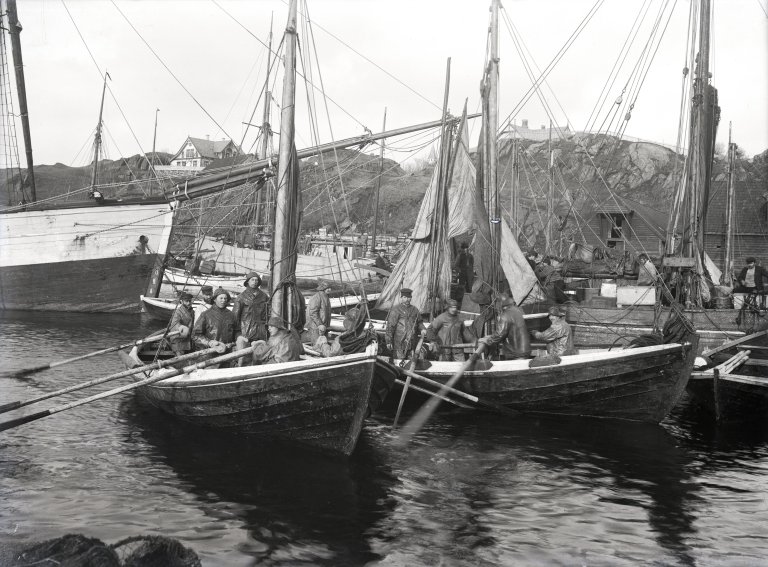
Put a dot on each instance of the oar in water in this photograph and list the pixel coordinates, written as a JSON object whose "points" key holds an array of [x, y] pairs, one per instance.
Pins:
{"points": [[411, 365], [425, 412], [155, 365], [150, 339], [152, 379]]}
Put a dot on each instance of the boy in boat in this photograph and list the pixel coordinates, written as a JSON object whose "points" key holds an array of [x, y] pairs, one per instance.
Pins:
{"points": [[403, 326], [251, 311], [447, 329], [318, 313], [217, 326], [558, 337], [182, 320], [283, 345], [207, 292], [511, 333]]}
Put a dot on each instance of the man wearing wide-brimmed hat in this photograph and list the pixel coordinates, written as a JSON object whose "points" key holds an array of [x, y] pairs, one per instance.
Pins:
{"points": [[251, 311], [217, 326], [283, 344], [511, 334], [558, 336], [404, 325], [182, 320], [447, 329], [318, 313]]}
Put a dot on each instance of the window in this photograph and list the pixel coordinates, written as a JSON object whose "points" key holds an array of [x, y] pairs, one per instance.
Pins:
{"points": [[616, 225], [189, 153]]}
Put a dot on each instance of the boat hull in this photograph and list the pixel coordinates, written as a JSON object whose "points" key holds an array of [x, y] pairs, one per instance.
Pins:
{"points": [[85, 259], [640, 384], [321, 403], [739, 397]]}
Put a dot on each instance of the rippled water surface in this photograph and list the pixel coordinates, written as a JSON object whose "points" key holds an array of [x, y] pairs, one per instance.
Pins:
{"points": [[473, 489]]}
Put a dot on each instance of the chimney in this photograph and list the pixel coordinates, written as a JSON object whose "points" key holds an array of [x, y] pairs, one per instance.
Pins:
{"points": [[525, 123]]}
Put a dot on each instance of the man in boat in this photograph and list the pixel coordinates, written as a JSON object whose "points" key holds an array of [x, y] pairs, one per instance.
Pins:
{"points": [[251, 311], [465, 266], [447, 329], [217, 326], [381, 262], [751, 278], [283, 345], [558, 336], [531, 256], [319, 313], [404, 325], [552, 280], [207, 292], [511, 334], [647, 274], [182, 320]]}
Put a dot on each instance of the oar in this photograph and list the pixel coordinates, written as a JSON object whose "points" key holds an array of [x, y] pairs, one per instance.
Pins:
{"points": [[161, 376], [492, 405], [420, 418], [158, 364], [412, 365], [139, 342]]}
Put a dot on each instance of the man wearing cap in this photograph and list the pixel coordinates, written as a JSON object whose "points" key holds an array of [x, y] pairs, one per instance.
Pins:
{"points": [[318, 313], [283, 344], [182, 320], [465, 266], [217, 326], [511, 333], [403, 326], [207, 292], [251, 311], [751, 278], [447, 329], [558, 336]]}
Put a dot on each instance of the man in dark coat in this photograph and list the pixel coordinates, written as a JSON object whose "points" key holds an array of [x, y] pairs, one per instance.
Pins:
{"points": [[751, 278], [558, 336], [251, 311], [217, 326], [465, 266], [182, 320], [403, 326], [318, 313], [511, 333], [447, 329]]}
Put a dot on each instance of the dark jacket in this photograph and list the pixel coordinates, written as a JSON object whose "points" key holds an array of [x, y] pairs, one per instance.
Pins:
{"points": [[403, 328], [182, 316], [216, 324], [760, 274], [511, 334], [251, 311]]}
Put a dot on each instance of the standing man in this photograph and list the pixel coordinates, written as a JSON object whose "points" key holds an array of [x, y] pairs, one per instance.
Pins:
{"points": [[558, 337], [511, 332], [465, 266], [751, 278], [251, 311], [647, 272], [447, 329], [207, 292], [283, 344], [182, 320], [217, 326], [319, 313], [403, 326]]}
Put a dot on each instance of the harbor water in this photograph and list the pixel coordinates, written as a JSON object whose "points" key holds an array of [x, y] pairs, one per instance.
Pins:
{"points": [[471, 489]]}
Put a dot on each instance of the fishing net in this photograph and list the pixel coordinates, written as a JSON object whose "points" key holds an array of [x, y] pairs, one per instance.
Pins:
{"points": [[76, 550]]}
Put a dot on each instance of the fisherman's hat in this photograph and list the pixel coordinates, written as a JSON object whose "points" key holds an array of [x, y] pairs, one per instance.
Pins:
{"points": [[322, 285], [250, 275], [206, 289], [405, 292], [185, 296], [220, 291], [556, 311]]}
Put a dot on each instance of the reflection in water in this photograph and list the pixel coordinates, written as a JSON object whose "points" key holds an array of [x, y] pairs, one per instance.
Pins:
{"points": [[295, 503]]}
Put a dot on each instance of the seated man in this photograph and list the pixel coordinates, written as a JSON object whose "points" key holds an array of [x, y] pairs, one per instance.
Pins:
{"points": [[511, 332], [558, 336], [283, 345]]}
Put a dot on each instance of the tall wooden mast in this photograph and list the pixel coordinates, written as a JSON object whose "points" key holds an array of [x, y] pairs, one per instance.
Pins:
{"points": [[491, 125], [283, 247], [97, 140], [378, 189], [729, 203], [14, 29]]}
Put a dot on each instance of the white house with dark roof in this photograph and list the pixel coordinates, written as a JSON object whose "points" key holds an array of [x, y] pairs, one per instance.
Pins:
{"points": [[196, 153]]}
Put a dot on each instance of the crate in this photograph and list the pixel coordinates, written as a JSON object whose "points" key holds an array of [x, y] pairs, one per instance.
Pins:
{"points": [[635, 295], [608, 289]]}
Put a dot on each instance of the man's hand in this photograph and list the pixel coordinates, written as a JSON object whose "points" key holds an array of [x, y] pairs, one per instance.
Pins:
{"points": [[423, 332]]}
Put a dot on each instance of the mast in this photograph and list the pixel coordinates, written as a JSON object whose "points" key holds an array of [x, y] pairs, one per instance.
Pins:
{"points": [[265, 197], [14, 29], [378, 188], [97, 140], [550, 196], [154, 142], [728, 260], [283, 255], [492, 126]]}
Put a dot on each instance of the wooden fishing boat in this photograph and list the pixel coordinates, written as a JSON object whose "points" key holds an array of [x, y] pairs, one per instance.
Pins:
{"points": [[735, 385], [638, 384], [318, 402]]}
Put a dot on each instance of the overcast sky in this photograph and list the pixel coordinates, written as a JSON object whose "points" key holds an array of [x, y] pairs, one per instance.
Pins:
{"points": [[395, 57]]}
